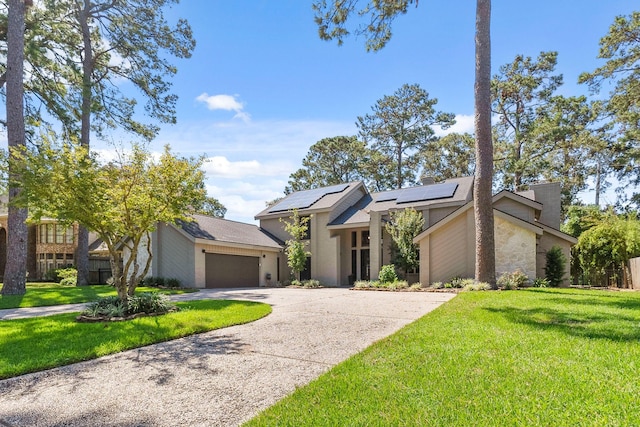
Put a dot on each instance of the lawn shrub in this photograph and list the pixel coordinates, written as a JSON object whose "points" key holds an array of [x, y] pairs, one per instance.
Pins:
{"points": [[540, 282], [362, 284], [145, 302], [395, 285], [67, 276], [388, 274], [416, 286], [172, 282], [437, 285], [458, 283], [515, 280], [554, 268], [477, 286]]}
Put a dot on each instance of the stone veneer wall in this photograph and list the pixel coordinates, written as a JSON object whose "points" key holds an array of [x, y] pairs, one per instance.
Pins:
{"points": [[515, 248]]}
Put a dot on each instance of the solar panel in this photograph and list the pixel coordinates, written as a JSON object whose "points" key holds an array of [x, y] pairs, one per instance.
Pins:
{"points": [[389, 195], [427, 192], [304, 199]]}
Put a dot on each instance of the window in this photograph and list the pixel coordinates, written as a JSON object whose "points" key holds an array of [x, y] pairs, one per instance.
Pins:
{"points": [[69, 235], [354, 239], [50, 233], [365, 239], [60, 233]]}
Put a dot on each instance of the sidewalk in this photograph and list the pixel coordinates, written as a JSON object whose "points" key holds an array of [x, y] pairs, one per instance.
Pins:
{"points": [[219, 378]]}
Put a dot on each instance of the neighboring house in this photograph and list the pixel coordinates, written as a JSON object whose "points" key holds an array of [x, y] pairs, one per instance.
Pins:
{"points": [[348, 240], [49, 246], [215, 253]]}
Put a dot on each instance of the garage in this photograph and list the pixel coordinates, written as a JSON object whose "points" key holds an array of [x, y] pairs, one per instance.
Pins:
{"points": [[231, 271]]}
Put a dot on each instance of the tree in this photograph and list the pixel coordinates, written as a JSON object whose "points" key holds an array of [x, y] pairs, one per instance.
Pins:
{"points": [[403, 226], [449, 157], [297, 227], [210, 206], [401, 126], [119, 40], [330, 161], [606, 248], [122, 201], [15, 273], [620, 48], [554, 267], [521, 95], [331, 21]]}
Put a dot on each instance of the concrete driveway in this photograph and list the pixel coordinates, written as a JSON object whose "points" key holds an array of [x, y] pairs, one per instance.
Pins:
{"points": [[219, 378]]}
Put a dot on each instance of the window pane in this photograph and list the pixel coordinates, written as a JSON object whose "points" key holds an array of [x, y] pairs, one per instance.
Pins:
{"points": [[69, 235], [59, 234], [365, 239], [50, 230]]}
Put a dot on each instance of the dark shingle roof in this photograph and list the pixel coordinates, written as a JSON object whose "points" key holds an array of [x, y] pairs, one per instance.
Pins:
{"points": [[226, 231]]}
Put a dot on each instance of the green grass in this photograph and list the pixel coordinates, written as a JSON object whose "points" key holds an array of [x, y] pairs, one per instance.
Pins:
{"points": [[538, 357], [29, 345], [44, 294]]}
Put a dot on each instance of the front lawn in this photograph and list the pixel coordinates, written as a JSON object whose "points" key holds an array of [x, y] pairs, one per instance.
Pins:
{"points": [[536, 357], [44, 294], [35, 344]]}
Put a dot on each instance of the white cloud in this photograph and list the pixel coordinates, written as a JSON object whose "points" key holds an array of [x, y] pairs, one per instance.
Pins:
{"points": [[226, 103], [220, 166], [464, 124]]}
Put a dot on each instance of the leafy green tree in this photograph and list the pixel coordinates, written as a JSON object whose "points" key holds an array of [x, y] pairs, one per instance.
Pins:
{"points": [[122, 201], [620, 48], [15, 273], [401, 126], [376, 17], [210, 206], [403, 227], [581, 218], [608, 246], [330, 161], [449, 157], [118, 40], [521, 95], [555, 265], [297, 227]]}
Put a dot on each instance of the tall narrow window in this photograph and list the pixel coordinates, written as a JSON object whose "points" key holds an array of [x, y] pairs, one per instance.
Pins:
{"points": [[365, 239], [69, 235], [60, 232], [50, 233]]}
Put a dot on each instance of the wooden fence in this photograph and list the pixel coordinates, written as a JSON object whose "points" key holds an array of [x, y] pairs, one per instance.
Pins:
{"points": [[634, 267]]}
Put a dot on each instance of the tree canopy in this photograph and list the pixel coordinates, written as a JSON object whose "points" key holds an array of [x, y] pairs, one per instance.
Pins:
{"points": [[401, 126], [122, 201]]}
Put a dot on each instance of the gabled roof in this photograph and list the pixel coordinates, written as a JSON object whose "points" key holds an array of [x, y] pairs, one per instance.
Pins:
{"points": [[311, 201], [451, 192], [521, 197], [225, 231], [462, 192]]}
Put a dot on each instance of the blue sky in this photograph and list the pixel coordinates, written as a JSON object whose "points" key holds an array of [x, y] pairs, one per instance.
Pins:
{"points": [[261, 87]]}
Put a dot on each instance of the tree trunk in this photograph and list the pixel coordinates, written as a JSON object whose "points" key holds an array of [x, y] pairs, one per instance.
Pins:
{"points": [[82, 253], [15, 274], [483, 208], [82, 256]]}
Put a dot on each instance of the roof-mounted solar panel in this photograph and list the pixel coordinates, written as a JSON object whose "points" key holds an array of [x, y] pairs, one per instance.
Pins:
{"points": [[389, 195], [428, 192], [305, 199]]}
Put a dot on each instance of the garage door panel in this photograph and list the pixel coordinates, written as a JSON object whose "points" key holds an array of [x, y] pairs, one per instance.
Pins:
{"points": [[231, 271]]}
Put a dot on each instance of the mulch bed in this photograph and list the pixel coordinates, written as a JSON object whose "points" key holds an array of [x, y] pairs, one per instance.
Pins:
{"points": [[84, 318]]}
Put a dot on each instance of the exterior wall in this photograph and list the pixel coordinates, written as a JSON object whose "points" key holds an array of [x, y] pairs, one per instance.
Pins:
{"points": [[546, 242], [444, 253], [515, 248], [268, 262], [275, 227], [376, 242], [174, 256], [432, 216], [519, 210], [325, 251]]}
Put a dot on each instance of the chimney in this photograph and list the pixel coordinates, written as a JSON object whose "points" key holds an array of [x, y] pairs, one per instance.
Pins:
{"points": [[548, 194], [427, 180]]}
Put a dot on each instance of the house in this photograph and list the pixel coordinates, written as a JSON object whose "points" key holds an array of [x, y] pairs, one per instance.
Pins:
{"points": [[347, 238]]}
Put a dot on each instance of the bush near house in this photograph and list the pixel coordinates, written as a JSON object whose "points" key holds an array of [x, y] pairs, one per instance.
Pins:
{"points": [[555, 266]]}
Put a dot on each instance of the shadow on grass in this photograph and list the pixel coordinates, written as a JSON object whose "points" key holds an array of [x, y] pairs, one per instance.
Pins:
{"points": [[610, 326]]}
